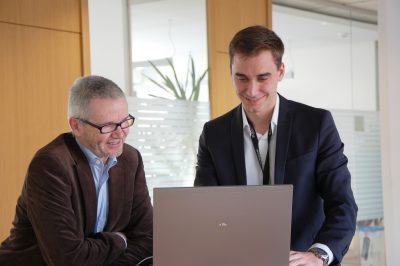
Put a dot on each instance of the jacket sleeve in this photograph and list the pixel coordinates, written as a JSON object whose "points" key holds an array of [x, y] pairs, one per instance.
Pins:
{"points": [[59, 233], [334, 186], [139, 231], [205, 169]]}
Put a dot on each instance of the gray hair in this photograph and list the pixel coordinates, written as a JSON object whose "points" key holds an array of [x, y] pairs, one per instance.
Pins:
{"points": [[88, 88]]}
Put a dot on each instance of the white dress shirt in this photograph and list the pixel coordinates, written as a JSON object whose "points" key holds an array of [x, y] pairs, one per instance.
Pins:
{"points": [[253, 170]]}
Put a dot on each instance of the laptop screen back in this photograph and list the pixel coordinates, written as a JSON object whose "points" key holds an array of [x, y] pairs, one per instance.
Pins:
{"points": [[238, 225]]}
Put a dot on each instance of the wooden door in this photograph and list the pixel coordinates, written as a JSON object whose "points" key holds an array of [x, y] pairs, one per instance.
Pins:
{"points": [[224, 19]]}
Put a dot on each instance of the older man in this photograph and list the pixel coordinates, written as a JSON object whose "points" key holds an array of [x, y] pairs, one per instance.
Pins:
{"points": [[85, 200]]}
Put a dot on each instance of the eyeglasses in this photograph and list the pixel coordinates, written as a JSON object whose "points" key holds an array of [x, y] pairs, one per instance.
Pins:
{"points": [[111, 127]]}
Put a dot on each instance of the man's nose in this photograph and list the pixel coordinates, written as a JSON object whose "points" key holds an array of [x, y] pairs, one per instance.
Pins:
{"points": [[119, 132], [252, 87]]}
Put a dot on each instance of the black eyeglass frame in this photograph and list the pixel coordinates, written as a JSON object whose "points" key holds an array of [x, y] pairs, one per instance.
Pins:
{"points": [[116, 125]]}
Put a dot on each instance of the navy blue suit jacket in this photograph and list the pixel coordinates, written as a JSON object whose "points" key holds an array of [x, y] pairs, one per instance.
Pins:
{"points": [[309, 155]]}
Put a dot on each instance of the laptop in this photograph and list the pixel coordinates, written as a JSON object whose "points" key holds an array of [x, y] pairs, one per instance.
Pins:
{"points": [[218, 226]]}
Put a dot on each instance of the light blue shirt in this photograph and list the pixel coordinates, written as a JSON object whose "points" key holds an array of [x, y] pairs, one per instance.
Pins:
{"points": [[100, 177]]}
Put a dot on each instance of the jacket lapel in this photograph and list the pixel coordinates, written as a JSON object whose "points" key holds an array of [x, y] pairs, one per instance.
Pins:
{"points": [[237, 143], [282, 142], [86, 182]]}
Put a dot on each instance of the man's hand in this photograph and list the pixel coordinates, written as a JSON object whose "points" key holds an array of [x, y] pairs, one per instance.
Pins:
{"points": [[123, 236], [297, 258]]}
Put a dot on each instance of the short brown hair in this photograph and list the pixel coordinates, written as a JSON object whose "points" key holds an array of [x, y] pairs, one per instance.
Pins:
{"points": [[252, 40]]}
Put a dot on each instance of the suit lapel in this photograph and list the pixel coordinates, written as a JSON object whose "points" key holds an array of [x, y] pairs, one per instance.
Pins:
{"points": [[237, 143], [282, 142], [86, 182], [89, 195]]}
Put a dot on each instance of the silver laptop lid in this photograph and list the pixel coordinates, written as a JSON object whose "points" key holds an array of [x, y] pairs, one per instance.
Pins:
{"points": [[238, 225]]}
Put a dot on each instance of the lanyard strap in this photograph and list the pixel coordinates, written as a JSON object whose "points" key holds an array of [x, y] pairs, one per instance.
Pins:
{"points": [[254, 140]]}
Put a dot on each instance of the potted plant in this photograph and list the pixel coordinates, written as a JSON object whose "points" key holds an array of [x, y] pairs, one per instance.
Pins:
{"points": [[174, 86]]}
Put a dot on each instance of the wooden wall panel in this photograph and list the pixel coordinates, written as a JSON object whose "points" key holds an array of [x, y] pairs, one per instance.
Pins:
{"points": [[37, 67], [223, 94], [224, 19], [55, 14], [85, 37]]}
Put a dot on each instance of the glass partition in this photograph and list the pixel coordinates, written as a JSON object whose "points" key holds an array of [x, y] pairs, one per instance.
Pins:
{"points": [[331, 63], [170, 87]]}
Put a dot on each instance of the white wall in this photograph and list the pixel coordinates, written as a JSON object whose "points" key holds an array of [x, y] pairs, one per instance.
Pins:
{"points": [[333, 60], [109, 41], [389, 80]]}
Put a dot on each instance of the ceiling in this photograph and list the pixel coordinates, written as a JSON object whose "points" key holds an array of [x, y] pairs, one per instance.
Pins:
{"points": [[361, 10], [371, 5]]}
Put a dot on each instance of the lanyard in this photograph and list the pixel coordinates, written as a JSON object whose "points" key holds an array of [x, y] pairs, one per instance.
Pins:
{"points": [[254, 140]]}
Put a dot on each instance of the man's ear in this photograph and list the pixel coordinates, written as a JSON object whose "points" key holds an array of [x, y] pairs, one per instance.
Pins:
{"points": [[281, 71], [75, 126]]}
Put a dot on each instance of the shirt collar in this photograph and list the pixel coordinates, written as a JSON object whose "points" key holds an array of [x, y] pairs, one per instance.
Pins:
{"points": [[92, 158]]}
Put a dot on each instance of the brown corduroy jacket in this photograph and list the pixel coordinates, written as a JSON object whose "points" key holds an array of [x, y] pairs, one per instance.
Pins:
{"points": [[56, 212]]}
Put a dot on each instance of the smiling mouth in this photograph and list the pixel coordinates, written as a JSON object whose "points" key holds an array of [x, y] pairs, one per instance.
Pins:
{"points": [[114, 143], [253, 100]]}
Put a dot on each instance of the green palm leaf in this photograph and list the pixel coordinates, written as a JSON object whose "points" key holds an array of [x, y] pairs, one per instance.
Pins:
{"points": [[174, 86]]}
